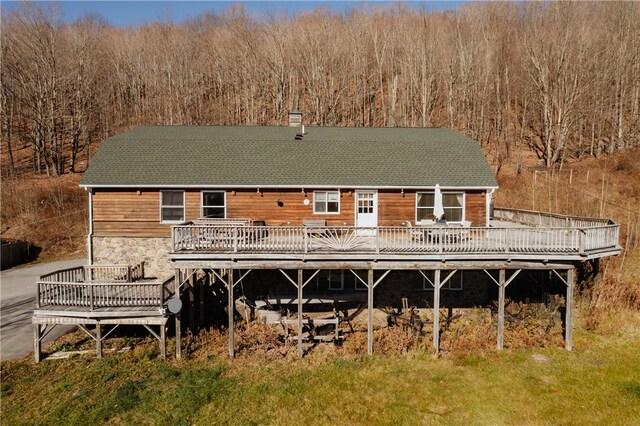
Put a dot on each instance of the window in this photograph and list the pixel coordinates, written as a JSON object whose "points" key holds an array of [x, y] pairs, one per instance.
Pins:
{"points": [[454, 283], [171, 206], [326, 202], [213, 204], [453, 203], [339, 279], [366, 202], [333, 280], [364, 276]]}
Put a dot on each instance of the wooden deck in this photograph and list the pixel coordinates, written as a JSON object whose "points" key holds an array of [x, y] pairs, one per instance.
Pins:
{"points": [[513, 234], [100, 296], [65, 293]]}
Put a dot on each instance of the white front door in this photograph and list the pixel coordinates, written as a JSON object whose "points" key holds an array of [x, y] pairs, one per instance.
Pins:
{"points": [[367, 210]]}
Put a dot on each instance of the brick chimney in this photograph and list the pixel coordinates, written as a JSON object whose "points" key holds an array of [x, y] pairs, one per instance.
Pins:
{"points": [[295, 118]]}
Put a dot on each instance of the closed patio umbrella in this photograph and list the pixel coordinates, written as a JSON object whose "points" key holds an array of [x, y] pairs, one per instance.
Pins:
{"points": [[438, 208]]}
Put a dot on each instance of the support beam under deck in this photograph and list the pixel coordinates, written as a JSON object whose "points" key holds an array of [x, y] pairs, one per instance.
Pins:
{"points": [[568, 322], [163, 341], [300, 286], [501, 293], [370, 311], [37, 343], [230, 307], [98, 340], [176, 292], [191, 292], [436, 311]]}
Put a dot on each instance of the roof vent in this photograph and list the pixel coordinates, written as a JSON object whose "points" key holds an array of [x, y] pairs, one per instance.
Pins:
{"points": [[300, 133], [295, 118]]}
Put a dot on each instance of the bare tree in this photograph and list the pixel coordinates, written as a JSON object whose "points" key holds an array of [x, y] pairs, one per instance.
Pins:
{"points": [[560, 79]]}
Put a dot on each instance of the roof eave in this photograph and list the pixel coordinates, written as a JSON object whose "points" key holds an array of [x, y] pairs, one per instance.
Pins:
{"points": [[370, 187]]}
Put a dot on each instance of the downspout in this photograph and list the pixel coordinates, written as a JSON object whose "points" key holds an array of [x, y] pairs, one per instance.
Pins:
{"points": [[489, 200], [90, 236]]}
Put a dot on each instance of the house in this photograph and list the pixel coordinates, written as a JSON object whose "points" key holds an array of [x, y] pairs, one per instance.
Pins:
{"points": [[322, 210]]}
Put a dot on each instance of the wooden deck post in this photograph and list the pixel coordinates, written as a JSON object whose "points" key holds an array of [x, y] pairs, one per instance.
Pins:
{"points": [[370, 311], [568, 322], [98, 340], [37, 344], [192, 303], [501, 293], [176, 293], [230, 307], [163, 341], [436, 311], [300, 285], [201, 302]]}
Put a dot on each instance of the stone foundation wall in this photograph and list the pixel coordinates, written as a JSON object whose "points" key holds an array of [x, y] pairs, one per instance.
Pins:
{"points": [[129, 250]]}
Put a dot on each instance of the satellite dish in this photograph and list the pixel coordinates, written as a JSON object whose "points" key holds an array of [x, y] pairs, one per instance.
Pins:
{"points": [[174, 305]]}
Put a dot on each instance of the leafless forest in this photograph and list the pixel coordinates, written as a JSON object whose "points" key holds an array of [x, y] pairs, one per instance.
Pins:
{"points": [[559, 79]]}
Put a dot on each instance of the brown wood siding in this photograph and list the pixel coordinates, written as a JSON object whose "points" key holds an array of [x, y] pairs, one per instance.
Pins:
{"points": [[133, 213], [139, 228], [192, 201], [130, 205], [264, 206], [395, 208], [476, 208]]}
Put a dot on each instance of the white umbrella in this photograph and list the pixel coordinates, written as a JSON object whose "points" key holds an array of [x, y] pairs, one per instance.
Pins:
{"points": [[438, 209]]}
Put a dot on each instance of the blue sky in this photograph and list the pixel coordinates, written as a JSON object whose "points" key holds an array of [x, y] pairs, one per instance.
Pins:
{"points": [[124, 13]]}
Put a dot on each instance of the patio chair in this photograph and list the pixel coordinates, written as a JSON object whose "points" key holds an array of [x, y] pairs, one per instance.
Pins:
{"points": [[416, 234]]}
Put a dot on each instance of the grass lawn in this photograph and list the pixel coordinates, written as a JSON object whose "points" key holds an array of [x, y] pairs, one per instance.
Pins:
{"points": [[598, 383]]}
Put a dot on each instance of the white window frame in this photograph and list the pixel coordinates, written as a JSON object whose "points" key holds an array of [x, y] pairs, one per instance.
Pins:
{"points": [[327, 201], [202, 206], [162, 206], [457, 278], [464, 205]]}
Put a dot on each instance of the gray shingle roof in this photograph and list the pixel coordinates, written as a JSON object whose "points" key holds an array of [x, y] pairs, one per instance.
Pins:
{"points": [[270, 156]]}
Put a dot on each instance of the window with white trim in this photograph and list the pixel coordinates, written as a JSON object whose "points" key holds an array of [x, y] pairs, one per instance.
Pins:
{"points": [[454, 283], [171, 206], [453, 203], [212, 204], [326, 202]]}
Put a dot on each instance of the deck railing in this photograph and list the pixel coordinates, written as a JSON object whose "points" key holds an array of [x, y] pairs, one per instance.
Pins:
{"points": [[114, 273], [90, 296], [70, 275], [546, 219], [394, 240]]}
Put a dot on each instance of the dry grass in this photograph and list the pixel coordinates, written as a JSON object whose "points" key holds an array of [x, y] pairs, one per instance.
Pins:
{"points": [[608, 187], [49, 213], [475, 332], [597, 382], [469, 331]]}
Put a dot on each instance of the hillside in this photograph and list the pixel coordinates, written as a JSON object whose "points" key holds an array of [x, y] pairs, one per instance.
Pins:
{"points": [[560, 79], [470, 382], [51, 214]]}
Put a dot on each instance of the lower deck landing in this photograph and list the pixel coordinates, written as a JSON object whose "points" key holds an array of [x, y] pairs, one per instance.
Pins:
{"points": [[98, 313]]}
